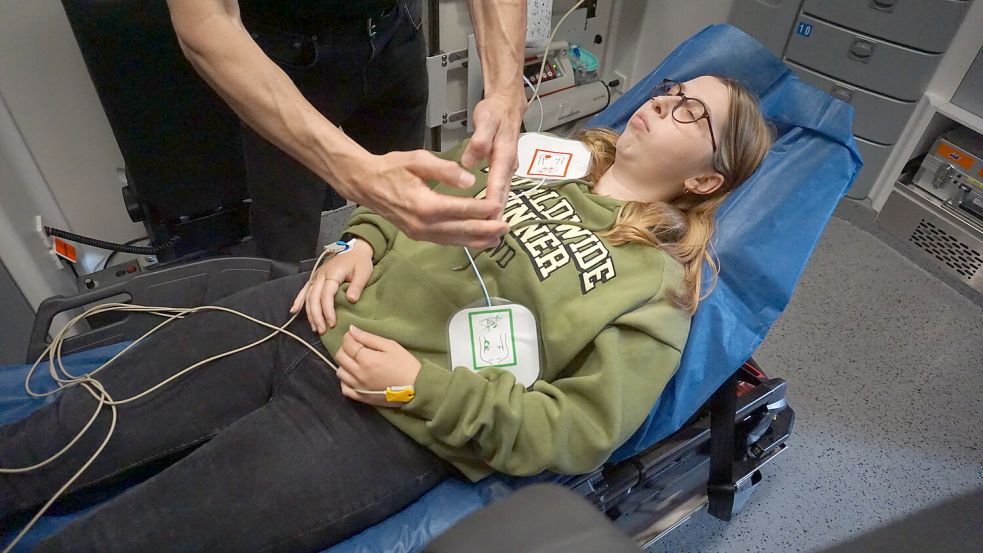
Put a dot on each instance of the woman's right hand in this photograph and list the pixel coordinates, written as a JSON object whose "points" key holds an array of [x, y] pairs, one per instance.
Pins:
{"points": [[318, 294]]}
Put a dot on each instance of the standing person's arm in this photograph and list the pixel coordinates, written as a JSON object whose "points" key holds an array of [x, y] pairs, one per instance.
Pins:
{"points": [[500, 30], [215, 41]]}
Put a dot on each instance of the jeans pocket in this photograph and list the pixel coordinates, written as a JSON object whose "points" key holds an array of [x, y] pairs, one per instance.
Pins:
{"points": [[413, 10], [287, 49]]}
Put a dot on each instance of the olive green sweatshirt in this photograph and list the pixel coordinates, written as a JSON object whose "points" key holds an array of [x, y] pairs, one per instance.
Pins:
{"points": [[609, 338]]}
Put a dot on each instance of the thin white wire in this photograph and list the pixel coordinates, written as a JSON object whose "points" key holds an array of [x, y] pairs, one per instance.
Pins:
{"points": [[542, 114], [535, 94], [480, 280], [546, 50], [95, 388]]}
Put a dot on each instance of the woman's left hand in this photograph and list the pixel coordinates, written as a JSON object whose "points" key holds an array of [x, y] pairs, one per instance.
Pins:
{"points": [[370, 362]]}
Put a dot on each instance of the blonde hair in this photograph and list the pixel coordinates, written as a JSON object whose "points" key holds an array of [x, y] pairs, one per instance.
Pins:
{"points": [[683, 227]]}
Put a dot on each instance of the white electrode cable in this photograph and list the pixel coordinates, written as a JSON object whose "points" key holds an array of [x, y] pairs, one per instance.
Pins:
{"points": [[535, 94], [478, 274], [95, 388]]}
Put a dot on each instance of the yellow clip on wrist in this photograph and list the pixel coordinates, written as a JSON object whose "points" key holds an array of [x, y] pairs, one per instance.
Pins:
{"points": [[400, 394]]}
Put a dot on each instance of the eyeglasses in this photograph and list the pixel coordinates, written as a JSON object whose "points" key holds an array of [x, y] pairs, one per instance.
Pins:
{"points": [[687, 110]]}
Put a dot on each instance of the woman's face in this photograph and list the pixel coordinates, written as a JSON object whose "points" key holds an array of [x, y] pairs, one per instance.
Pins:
{"points": [[667, 152]]}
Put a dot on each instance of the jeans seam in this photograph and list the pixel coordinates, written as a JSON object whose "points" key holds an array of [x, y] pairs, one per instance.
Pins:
{"points": [[149, 458], [282, 377], [378, 500]]}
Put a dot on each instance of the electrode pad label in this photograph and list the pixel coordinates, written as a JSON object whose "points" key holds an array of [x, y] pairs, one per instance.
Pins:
{"points": [[500, 336], [547, 163], [492, 338], [547, 157]]}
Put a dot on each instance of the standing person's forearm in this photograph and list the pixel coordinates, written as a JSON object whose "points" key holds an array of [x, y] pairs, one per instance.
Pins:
{"points": [[216, 43], [500, 30]]}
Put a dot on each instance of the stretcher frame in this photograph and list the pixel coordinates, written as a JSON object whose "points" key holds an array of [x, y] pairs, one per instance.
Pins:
{"points": [[713, 462]]}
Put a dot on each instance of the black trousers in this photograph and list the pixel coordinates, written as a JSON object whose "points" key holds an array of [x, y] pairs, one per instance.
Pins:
{"points": [[371, 82], [279, 460]]}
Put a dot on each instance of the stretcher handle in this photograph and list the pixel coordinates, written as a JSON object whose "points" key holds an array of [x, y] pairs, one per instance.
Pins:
{"points": [[53, 306], [186, 285]]}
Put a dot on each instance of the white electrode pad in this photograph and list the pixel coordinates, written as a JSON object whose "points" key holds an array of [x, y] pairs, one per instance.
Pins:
{"points": [[503, 336], [543, 156]]}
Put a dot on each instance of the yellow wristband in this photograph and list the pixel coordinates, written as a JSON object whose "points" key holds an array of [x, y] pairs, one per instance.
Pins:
{"points": [[400, 394]]}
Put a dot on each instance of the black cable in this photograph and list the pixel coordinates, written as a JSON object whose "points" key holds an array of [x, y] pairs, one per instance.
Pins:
{"points": [[102, 244], [113, 253]]}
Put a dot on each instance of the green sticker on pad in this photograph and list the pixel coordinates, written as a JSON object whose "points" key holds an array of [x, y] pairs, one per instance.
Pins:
{"points": [[492, 338]]}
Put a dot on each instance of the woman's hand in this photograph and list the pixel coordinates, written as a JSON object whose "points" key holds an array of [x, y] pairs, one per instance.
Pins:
{"points": [[318, 294], [370, 362]]}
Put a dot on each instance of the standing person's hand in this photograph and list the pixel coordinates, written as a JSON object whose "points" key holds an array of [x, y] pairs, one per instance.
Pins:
{"points": [[394, 186], [496, 136]]}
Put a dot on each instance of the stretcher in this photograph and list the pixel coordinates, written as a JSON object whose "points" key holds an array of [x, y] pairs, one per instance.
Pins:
{"points": [[720, 419]]}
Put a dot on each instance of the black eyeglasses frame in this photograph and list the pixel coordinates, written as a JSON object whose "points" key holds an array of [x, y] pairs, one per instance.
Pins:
{"points": [[683, 98]]}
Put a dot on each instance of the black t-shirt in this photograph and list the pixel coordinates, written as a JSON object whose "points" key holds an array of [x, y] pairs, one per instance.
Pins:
{"points": [[310, 14]]}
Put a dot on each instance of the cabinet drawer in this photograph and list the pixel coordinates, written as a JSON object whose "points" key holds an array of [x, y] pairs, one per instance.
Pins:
{"points": [[874, 157], [769, 21], [924, 24], [969, 95], [862, 60], [878, 118]]}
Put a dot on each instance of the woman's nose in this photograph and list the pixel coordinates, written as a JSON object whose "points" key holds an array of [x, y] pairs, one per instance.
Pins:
{"points": [[660, 104]]}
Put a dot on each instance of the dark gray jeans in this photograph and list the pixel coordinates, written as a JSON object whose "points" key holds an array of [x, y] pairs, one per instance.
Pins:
{"points": [[279, 460], [374, 87]]}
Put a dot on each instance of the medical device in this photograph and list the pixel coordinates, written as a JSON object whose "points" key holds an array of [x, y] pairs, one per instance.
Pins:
{"points": [[557, 72], [939, 212], [567, 105], [953, 171]]}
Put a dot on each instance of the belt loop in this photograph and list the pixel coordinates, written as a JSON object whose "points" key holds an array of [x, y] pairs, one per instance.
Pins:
{"points": [[370, 27]]}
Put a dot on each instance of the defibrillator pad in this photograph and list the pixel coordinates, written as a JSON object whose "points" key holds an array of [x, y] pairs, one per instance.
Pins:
{"points": [[547, 157], [503, 336]]}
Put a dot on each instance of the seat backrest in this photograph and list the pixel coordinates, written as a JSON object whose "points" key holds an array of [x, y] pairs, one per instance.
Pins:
{"points": [[766, 229]]}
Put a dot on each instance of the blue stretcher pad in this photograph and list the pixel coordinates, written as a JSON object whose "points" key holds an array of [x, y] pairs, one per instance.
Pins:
{"points": [[766, 231]]}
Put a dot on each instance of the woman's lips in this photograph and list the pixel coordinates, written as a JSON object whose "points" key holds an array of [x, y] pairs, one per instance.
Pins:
{"points": [[638, 121]]}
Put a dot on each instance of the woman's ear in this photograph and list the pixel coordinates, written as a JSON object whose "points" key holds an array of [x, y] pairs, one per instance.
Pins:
{"points": [[705, 184]]}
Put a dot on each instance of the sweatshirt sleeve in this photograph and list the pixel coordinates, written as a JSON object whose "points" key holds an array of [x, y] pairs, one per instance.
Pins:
{"points": [[570, 425], [373, 228], [378, 231]]}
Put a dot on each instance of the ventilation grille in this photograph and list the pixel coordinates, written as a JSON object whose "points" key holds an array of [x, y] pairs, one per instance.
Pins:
{"points": [[941, 245]]}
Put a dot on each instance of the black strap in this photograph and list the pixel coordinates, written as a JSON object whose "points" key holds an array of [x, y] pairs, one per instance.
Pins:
{"points": [[721, 486]]}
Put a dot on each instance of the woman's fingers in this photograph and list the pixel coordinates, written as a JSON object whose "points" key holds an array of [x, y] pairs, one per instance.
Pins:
{"points": [[360, 276], [368, 339], [351, 348], [347, 378], [327, 300], [314, 314], [300, 299]]}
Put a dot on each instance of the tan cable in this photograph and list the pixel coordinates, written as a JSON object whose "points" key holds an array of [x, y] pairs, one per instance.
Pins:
{"points": [[66, 380]]}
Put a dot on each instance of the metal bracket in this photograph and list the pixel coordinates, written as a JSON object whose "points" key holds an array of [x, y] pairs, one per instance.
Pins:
{"points": [[437, 68]]}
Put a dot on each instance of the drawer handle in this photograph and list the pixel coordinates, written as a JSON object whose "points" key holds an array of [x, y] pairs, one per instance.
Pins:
{"points": [[841, 93], [883, 5], [861, 50]]}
